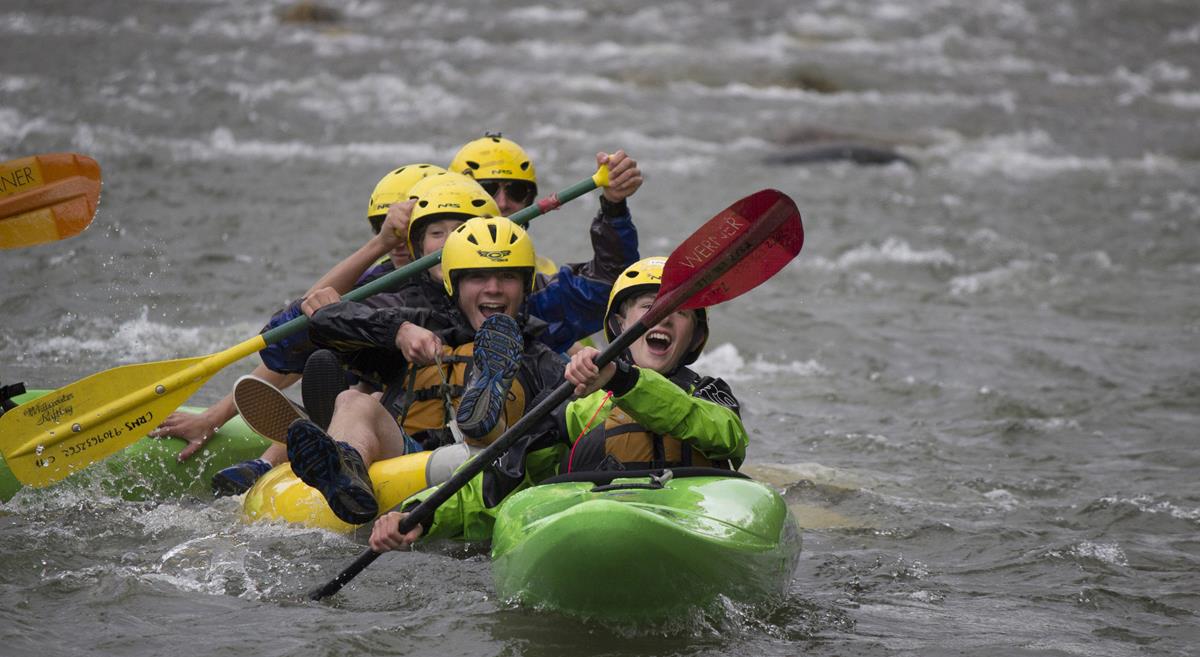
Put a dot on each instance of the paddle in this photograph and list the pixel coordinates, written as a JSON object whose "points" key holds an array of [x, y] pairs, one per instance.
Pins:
{"points": [[735, 251], [67, 430], [48, 197]]}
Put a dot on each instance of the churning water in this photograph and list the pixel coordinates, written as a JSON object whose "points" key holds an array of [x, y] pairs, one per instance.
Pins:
{"points": [[979, 383]]}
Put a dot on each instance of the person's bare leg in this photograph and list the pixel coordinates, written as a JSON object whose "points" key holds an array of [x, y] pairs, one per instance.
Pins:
{"points": [[335, 462], [360, 420]]}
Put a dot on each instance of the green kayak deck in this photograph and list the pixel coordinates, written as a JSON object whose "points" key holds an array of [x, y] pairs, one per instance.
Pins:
{"points": [[150, 469], [635, 548]]}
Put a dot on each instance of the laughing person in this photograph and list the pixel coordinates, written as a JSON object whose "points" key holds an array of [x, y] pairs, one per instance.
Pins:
{"points": [[647, 410]]}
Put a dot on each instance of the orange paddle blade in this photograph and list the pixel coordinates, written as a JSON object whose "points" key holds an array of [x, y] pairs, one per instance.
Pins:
{"points": [[45, 198]]}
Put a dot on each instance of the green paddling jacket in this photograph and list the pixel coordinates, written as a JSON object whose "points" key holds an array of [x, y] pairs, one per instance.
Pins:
{"points": [[695, 414]]}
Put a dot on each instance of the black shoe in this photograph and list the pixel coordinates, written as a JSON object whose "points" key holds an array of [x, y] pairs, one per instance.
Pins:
{"points": [[335, 469], [497, 354], [266, 410], [324, 379], [239, 477]]}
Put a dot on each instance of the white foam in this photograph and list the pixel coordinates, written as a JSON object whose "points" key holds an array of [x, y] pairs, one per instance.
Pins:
{"points": [[1098, 259], [1180, 201], [386, 95], [16, 127], [1004, 99], [893, 250], [940, 65], [1181, 99], [726, 362], [1109, 553], [1029, 156], [1066, 78], [1141, 84], [1000, 277], [826, 25], [1147, 504], [222, 144], [48, 25], [928, 42], [15, 83], [1189, 35], [543, 15], [128, 341], [1002, 498]]}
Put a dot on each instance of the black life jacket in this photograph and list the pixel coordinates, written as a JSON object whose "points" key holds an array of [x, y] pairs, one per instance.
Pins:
{"points": [[623, 444]]}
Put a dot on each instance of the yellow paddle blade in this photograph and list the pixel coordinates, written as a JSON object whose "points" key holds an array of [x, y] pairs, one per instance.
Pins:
{"points": [[47, 439], [48, 197]]}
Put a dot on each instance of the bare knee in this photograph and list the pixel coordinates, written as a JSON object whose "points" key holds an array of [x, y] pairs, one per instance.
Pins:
{"points": [[358, 407], [352, 399]]}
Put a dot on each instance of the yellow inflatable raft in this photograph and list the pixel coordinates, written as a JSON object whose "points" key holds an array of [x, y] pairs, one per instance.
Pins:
{"points": [[280, 495]]}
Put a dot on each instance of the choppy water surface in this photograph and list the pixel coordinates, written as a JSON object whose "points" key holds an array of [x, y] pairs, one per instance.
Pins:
{"points": [[979, 382]]}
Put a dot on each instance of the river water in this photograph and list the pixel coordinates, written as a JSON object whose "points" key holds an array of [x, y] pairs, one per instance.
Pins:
{"points": [[979, 384]]}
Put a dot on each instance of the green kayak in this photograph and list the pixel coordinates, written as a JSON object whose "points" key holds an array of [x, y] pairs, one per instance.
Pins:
{"points": [[643, 545], [149, 469]]}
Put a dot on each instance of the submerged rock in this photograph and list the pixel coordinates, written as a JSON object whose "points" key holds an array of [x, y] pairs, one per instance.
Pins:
{"points": [[817, 146], [309, 12], [863, 154]]}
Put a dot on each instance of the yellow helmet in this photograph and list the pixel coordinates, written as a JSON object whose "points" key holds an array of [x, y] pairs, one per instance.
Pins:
{"points": [[393, 188], [446, 195], [487, 243], [494, 158], [641, 277]]}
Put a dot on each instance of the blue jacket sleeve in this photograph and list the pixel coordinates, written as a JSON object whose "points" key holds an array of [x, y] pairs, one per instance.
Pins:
{"points": [[289, 354], [572, 302]]}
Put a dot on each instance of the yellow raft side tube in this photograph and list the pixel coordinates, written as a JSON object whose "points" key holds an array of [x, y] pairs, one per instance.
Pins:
{"points": [[280, 495]]}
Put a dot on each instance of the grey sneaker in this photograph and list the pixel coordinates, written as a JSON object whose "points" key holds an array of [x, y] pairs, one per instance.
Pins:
{"points": [[335, 469], [497, 354]]}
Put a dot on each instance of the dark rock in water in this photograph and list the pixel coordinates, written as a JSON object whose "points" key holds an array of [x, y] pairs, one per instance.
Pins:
{"points": [[309, 12], [813, 81], [864, 154], [812, 146]]}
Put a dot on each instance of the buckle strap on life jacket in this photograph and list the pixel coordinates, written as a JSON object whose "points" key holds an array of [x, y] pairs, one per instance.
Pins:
{"points": [[448, 400], [443, 390]]}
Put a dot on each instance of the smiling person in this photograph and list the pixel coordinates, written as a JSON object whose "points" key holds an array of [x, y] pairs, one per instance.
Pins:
{"points": [[507, 172], [648, 410], [484, 347]]}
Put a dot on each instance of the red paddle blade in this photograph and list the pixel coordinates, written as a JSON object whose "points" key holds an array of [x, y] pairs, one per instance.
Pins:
{"points": [[744, 245], [46, 198]]}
